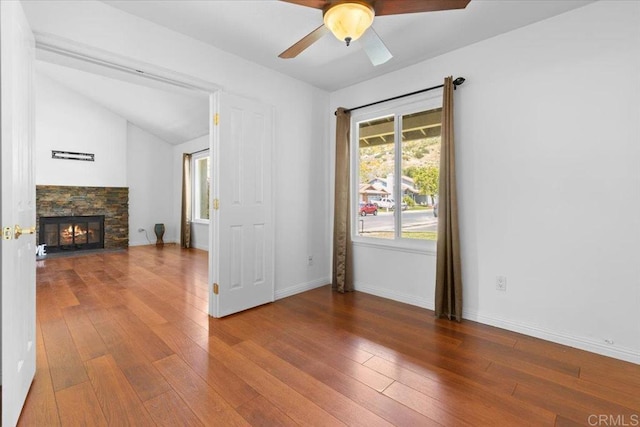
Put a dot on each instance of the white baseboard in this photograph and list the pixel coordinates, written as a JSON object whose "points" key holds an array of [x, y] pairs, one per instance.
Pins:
{"points": [[146, 243], [581, 343], [302, 287], [396, 296]]}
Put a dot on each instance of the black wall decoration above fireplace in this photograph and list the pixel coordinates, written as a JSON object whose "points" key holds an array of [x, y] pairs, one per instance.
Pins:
{"points": [[72, 233], [71, 155]]}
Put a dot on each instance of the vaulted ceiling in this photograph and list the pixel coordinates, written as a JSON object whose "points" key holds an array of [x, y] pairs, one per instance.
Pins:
{"points": [[260, 30], [174, 116]]}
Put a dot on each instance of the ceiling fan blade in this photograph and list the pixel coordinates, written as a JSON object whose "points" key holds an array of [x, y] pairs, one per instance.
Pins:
{"points": [[391, 7], [304, 42], [375, 48], [316, 4]]}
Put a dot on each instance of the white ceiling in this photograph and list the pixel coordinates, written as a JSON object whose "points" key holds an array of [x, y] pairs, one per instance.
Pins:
{"points": [[260, 30], [172, 115]]}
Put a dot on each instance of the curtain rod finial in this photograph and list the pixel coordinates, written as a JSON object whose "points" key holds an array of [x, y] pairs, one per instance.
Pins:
{"points": [[458, 81]]}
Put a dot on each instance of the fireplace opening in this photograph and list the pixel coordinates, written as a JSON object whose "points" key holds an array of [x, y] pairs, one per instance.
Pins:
{"points": [[72, 233]]}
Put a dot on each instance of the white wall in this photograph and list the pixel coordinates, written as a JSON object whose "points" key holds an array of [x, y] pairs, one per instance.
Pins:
{"points": [[68, 121], [301, 117], [199, 232], [151, 193], [547, 131]]}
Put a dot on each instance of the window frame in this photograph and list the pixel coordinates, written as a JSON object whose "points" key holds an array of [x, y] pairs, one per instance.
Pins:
{"points": [[195, 201], [398, 108]]}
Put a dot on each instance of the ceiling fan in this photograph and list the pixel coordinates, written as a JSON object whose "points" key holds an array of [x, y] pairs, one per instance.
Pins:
{"points": [[349, 20]]}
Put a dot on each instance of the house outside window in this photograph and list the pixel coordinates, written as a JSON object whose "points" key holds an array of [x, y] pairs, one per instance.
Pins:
{"points": [[201, 186], [395, 165]]}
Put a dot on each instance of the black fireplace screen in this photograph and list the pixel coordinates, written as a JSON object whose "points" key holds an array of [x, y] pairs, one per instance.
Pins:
{"points": [[72, 233]]}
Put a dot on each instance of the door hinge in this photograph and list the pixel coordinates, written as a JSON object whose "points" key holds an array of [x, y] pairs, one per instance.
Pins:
{"points": [[7, 233], [216, 288], [216, 204], [216, 119]]}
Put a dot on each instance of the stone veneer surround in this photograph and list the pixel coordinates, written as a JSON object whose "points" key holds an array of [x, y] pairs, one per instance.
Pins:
{"points": [[112, 202]]}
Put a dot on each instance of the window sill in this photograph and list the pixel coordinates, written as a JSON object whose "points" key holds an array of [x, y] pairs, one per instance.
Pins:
{"points": [[200, 221], [408, 246]]}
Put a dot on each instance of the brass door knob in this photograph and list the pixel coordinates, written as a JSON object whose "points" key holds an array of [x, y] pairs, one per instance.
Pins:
{"points": [[20, 231]]}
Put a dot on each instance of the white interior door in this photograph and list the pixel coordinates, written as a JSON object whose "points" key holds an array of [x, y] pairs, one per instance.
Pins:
{"points": [[242, 233], [17, 251]]}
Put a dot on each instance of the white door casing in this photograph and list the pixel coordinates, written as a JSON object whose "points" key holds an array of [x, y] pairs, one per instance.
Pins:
{"points": [[242, 236], [17, 254]]}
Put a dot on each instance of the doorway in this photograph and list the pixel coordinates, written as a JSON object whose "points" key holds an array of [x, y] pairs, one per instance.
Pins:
{"points": [[240, 243]]}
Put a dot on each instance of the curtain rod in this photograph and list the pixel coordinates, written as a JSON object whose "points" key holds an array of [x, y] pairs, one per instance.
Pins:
{"points": [[457, 82], [199, 151]]}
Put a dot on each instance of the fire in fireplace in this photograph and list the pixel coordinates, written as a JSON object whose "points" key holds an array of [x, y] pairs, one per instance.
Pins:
{"points": [[72, 233]]}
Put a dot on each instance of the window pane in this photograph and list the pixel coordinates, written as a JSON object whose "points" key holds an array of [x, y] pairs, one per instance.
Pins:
{"points": [[420, 173], [51, 234], [376, 159], [66, 234], [94, 232], [80, 233], [202, 188]]}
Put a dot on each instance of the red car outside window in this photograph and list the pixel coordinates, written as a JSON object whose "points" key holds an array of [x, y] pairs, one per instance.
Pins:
{"points": [[368, 209]]}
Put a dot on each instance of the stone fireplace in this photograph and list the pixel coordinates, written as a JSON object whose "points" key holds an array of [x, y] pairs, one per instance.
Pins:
{"points": [[70, 204]]}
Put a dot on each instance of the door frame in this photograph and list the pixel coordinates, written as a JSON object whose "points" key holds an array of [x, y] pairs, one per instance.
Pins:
{"points": [[62, 51]]}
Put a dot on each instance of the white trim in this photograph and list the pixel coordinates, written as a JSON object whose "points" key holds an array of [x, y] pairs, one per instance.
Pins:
{"points": [[582, 343], [200, 247], [423, 248], [302, 287], [62, 47], [146, 243], [214, 231]]}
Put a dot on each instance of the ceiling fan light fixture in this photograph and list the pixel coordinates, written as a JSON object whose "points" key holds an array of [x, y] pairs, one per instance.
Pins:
{"points": [[349, 20]]}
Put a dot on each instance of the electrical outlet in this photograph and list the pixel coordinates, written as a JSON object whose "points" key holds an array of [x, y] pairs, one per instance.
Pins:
{"points": [[310, 260], [501, 283], [140, 230]]}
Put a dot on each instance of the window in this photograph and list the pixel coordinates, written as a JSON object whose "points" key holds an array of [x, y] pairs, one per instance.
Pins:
{"points": [[396, 161], [201, 183]]}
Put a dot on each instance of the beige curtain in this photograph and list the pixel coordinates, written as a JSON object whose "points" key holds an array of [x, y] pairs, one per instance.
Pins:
{"points": [[185, 223], [342, 280], [448, 301]]}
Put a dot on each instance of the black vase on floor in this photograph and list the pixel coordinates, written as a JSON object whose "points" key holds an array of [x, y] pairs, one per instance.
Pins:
{"points": [[159, 230]]}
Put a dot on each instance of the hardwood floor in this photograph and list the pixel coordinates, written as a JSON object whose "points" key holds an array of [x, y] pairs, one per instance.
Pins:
{"points": [[124, 339]]}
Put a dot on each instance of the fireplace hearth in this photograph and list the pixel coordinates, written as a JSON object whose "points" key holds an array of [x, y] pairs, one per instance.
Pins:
{"points": [[72, 233]]}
